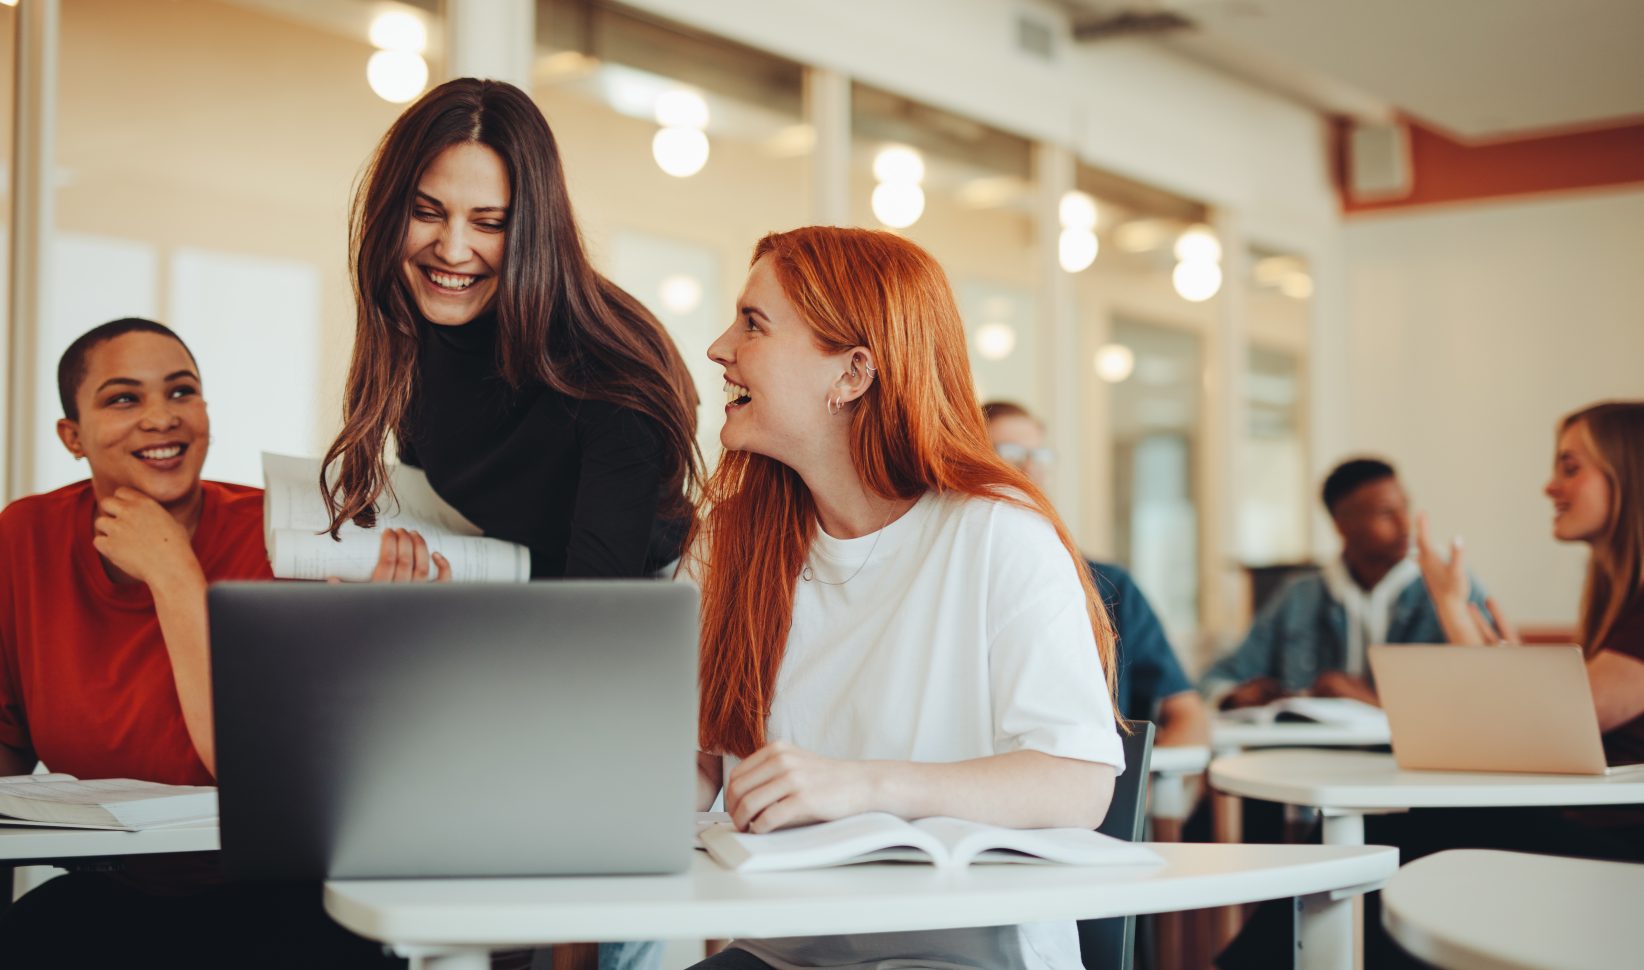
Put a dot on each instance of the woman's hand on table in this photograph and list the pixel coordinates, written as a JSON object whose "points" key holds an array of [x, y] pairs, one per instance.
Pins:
{"points": [[781, 785]]}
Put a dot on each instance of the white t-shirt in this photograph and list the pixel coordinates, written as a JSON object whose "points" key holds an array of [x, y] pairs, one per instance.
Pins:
{"points": [[964, 635]]}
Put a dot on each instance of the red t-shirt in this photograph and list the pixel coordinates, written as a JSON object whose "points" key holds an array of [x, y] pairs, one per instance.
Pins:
{"points": [[85, 680]]}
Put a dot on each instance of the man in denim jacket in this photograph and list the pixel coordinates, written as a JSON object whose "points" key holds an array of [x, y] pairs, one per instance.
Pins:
{"points": [[1313, 634]]}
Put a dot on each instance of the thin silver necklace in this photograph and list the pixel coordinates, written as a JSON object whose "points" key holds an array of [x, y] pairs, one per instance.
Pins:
{"points": [[810, 577]]}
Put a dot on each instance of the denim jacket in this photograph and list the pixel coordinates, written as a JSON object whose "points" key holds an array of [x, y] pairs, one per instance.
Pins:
{"points": [[1302, 632]]}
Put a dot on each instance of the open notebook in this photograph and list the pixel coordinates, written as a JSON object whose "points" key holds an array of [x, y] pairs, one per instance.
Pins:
{"points": [[946, 842], [63, 801]]}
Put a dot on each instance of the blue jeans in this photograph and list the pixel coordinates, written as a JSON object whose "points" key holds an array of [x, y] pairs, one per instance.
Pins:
{"points": [[633, 955]]}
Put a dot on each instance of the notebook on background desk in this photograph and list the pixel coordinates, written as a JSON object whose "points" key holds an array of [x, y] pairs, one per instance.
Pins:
{"points": [[1507, 708], [379, 731]]}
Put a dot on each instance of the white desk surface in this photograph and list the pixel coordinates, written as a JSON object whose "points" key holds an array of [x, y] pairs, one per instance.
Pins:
{"points": [[21, 844], [710, 901], [1363, 780], [1179, 760], [1481, 909], [1226, 735]]}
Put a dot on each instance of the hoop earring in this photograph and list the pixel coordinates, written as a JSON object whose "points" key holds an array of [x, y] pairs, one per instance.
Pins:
{"points": [[835, 406]]}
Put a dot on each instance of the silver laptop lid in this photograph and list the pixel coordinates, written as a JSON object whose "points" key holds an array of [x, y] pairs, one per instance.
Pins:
{"points": [[455, 730], [1507, 708]]}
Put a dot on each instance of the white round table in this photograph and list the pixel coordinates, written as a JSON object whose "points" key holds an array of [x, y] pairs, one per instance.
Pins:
{"points": [[1471, 909]]}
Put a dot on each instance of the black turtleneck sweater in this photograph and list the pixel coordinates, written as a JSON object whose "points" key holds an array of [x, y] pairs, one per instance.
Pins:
{"points": [[578, 482]]}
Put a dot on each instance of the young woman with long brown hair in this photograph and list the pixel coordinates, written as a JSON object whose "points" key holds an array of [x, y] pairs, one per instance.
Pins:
{"points": [[1597, 490], [546, 404], [894, 619]]}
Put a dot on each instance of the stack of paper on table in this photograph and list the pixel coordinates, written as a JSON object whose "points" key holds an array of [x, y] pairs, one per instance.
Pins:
{"points": [[946, 842], [295, 520], [63, 801], [1339, 711]]}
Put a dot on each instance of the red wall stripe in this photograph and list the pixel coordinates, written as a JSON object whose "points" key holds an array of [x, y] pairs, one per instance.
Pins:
{"points": [[1446, 170]]}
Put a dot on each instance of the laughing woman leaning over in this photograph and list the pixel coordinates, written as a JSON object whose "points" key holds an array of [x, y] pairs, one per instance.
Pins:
{"points": [[545, 404], [893, 618]]}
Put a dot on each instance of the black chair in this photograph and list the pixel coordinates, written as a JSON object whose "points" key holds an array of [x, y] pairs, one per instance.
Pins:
{"points": [[1110, 944]]}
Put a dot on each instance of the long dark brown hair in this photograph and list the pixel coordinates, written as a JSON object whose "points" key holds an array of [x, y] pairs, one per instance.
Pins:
{"points": [[917, 429], [559, 322], [1614, 434]]}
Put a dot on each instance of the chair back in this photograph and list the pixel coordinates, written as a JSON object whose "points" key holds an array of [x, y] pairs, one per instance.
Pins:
{"points": [[1110, 944]]}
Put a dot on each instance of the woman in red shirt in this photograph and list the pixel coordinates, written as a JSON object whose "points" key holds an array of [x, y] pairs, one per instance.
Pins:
{"points": [[104, 662]]}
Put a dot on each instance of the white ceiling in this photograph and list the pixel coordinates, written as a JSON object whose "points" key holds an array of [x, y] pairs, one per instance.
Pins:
{"points": [[1478, 68]]}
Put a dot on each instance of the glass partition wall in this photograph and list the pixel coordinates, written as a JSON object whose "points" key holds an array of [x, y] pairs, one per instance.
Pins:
{"points": [[205, 154], [1148, 313], [964, 192], [1278, 495], [213, 195], [682, 150]]}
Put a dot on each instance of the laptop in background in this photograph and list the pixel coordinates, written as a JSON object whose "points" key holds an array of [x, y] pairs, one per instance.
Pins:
{"points": [[378, 731], [1506, 708]]}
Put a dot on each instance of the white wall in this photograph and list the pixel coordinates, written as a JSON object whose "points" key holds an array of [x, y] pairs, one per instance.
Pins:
{"points": [[1473, 329]]}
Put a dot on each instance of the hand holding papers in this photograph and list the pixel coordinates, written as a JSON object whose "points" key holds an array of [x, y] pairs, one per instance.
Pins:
{"points": [[295, 519]]}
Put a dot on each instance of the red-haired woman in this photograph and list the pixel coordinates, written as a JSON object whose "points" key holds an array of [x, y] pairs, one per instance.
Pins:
{"points": [[893, 618]]}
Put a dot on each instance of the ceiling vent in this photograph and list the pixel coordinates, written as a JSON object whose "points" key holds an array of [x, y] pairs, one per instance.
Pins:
{"points": [[1036, 37]]}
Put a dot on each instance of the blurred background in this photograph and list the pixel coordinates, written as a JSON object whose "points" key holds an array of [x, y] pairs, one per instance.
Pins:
{"points": [[1218, 245]]}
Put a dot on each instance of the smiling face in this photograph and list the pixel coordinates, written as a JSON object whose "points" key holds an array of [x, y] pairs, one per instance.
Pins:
{"points": [[1579, 489], [142, 418], [1374, 522], [455, 240], [778, 381]]}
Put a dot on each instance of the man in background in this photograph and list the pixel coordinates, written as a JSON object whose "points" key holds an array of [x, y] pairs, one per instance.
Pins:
{"points": [[1312, 636], [1151, 684]]}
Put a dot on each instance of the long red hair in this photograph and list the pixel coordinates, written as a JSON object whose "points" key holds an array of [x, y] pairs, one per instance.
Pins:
{"points": [[918, 428]]}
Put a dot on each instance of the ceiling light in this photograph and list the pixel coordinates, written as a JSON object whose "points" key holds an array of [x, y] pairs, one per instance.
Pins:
{"points": [[1076, 249], [1271, 270], [681, 108], [399, 30], [1140, 235], [791, 142], [1115, 362], [898, 164], [1297, 286], [680, 293], [679, 151], [995, 341], [898, 204], [990, 191], [1198, 244], [396, 76], [1077, 211], [1196, 280]]}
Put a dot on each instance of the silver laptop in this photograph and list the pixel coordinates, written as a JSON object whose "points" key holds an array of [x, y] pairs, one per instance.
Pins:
{"points": [[1509, 708], [377, 731]]}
